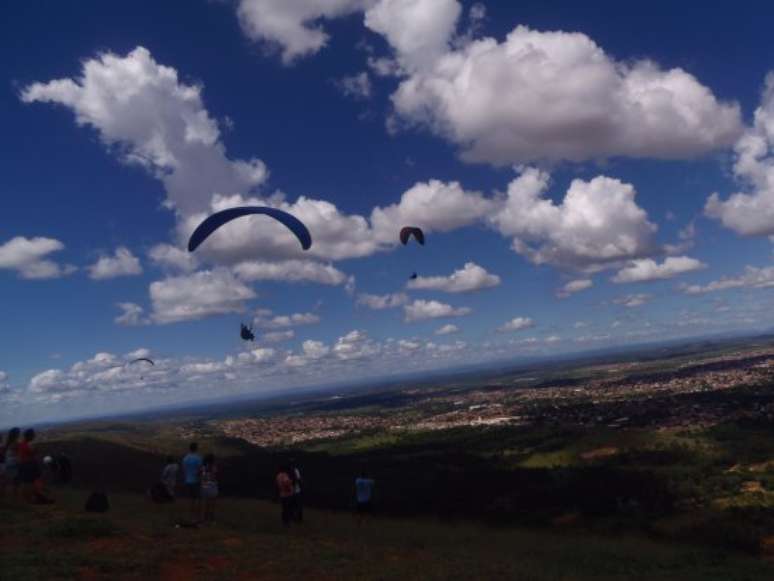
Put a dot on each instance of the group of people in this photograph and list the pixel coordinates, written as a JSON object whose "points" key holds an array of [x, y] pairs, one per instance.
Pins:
{"points": [[200, 483], [20, 467]]}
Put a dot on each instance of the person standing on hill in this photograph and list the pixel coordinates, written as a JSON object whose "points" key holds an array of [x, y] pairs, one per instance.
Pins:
{"points": [[209, 488], [192, 465], [169, 476], [30, 473], [285, 491], [11, 453], [364, 496], [298, 507]]}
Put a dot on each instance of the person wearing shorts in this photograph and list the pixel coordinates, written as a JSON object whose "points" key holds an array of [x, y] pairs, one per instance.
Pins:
{"points": [[192, 465], [209, 488], [364, 496]]}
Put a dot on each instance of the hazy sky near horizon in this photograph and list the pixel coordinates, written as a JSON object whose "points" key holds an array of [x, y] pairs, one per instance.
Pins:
{"points": [[587, 176]]}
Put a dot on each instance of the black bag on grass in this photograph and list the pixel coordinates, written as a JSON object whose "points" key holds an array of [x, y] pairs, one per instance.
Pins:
{"points": [[97, 502]]}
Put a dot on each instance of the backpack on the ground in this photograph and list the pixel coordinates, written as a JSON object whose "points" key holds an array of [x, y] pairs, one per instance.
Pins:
{"points": [[97, 502], [159, 494]]}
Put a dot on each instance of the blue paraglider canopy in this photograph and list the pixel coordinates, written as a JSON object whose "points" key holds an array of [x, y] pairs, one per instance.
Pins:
{"points": [[218, 219]]}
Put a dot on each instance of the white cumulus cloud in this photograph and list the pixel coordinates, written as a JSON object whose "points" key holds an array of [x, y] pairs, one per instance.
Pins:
{"points": [[381, 302], [421, 309], [447, 329], [198, 295], [574, 286], [470, 278], [753, 277], [517, 324], [122, 263], [647, 269], [751, 212], [27, 256], [597, 224]]}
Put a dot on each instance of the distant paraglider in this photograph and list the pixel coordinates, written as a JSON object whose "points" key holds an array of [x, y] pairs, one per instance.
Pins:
{"points": [[218, 219], [246, 333], [413, 276], [409, 231], [140, 360]]}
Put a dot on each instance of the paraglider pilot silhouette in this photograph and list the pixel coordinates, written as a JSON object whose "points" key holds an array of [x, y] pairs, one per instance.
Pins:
{"points": [[246, 333]]}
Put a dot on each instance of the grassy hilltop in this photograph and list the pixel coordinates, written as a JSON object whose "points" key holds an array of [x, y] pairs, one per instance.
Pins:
{"points": [[136, 541]]}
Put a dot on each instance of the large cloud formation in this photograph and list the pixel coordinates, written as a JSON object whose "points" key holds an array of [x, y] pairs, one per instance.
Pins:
{"points": [[141, 109], [597, 224], [535, 96], [751, 213]]}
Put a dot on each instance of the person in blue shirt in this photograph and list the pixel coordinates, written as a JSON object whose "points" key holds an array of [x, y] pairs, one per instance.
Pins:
{"points": [[192, 465], [364, 496]]}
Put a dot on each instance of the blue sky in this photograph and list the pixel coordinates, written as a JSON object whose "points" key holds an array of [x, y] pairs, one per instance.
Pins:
{"points": [[562, 163]]}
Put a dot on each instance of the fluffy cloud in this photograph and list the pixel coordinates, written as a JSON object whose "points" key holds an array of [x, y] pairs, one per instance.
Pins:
{"points": [[432, 206], [597, 224], [753, 277], [647, 269], [469, 278], [418, 30], [447, 329], [574, 286], [123, 263], [290, 271], [142, 110], [27, 256], [292, 26], [355, 345], [381, 302], [278, 336], [198, 295], [420, 309], [517, 324], [265, 320], [751, 213], [574, 101], [632, 301], [131, 316], [173, 258], [355, 86]]}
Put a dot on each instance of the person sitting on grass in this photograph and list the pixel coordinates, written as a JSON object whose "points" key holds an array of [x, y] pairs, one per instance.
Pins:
{"points": [[209, 479], [364, 496], [285, 491], [192, 465]]}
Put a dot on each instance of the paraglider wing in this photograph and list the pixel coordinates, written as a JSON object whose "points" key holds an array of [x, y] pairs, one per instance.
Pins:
{"points": [[218, 219], [142, 359], [408, 231], [413, 276]]}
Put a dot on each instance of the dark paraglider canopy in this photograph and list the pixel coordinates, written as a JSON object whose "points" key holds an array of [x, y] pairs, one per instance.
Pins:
{"points": [[218, 219], [409, 231], [246, 333], [413, 276], [142, 359]]}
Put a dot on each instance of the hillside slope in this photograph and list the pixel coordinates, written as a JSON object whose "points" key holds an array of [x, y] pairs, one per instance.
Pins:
{"points": [[137, 540]]}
